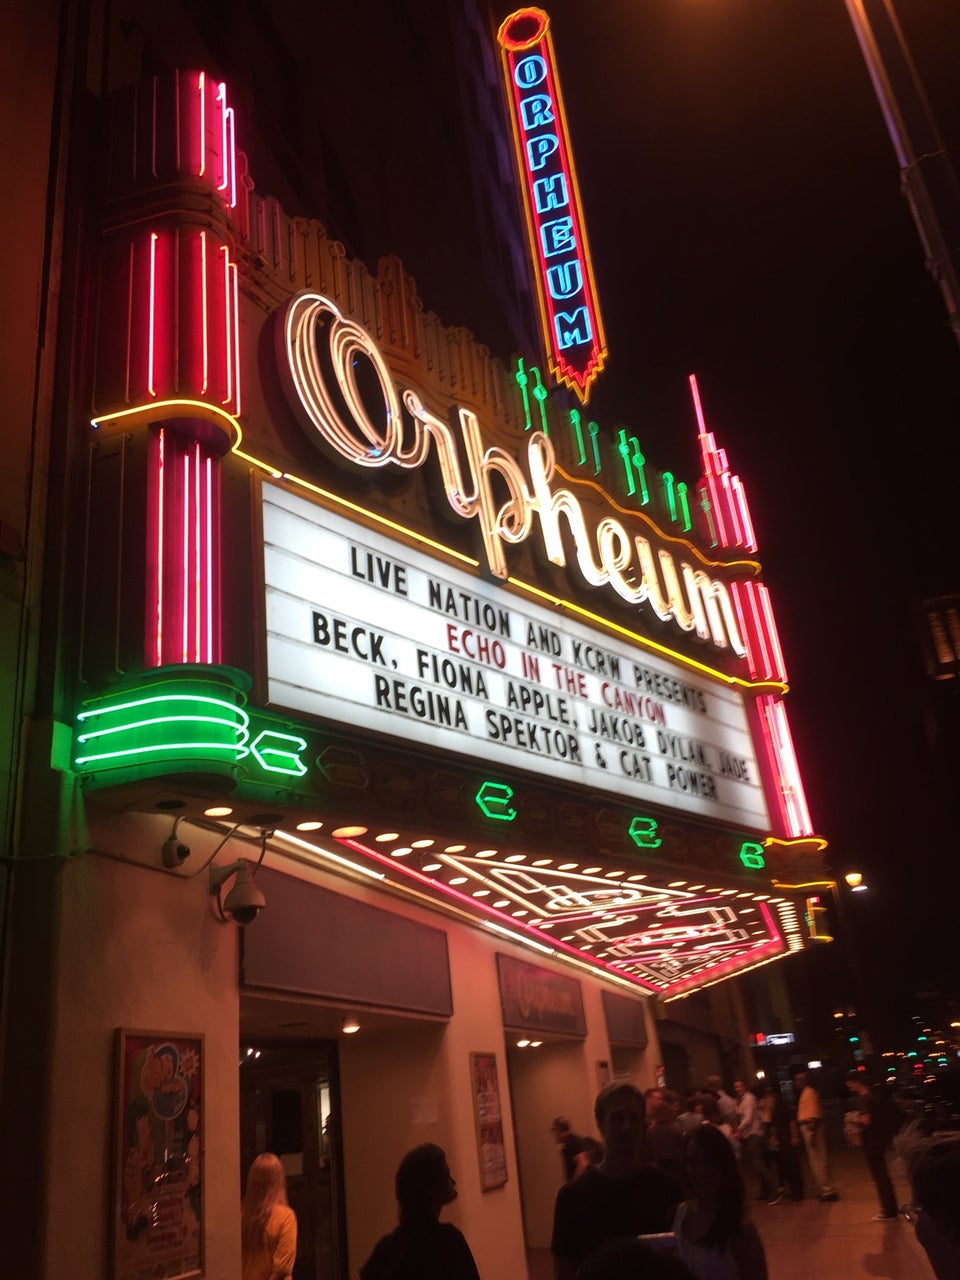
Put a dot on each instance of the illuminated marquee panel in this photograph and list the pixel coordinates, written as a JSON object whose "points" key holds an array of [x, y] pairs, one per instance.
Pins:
{"points": [[666, 938], [570, 314], [366, 631]]}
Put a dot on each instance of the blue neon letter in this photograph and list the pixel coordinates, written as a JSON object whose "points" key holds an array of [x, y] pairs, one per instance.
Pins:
{"points": [[535, 111], [530, 71], [557, 237], [573, 328], [539, 148], [565, 280], [550, 193]]}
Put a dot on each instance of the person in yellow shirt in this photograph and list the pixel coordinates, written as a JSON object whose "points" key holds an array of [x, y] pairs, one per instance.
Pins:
{"points": [[810, 1124], [268, 1226]]}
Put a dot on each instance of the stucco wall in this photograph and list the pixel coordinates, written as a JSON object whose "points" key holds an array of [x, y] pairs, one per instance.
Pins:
{"points": [[139, 950]]}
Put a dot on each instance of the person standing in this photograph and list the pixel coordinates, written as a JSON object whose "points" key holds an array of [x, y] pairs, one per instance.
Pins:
{"points": [[876, 1117], [715, 1236], [725, 1104], [783, 1143], [573, 1150], [624, 1195], [705, 1105], [813, 1133], [422, 1247], [268, 1226], [753, 1141], [665, 1138]]}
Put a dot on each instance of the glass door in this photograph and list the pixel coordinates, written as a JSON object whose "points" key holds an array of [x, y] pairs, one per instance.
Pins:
{"points": [[289, 1105]]}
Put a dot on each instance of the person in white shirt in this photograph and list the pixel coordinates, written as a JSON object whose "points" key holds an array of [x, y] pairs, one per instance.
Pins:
{"points": [[753, 1142]]}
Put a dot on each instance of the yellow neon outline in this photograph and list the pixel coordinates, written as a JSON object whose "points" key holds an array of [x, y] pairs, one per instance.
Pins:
{"points": [[209, 412], [147, 412], [664, 537], [817, 841], [810, 884]]}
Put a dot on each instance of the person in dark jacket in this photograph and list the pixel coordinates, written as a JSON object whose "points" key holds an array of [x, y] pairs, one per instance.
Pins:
{"points": [[878, 1120], [422, 1247]]}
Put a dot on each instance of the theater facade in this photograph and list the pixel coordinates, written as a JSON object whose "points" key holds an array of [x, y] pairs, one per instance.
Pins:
{"points": [[419, 749]]}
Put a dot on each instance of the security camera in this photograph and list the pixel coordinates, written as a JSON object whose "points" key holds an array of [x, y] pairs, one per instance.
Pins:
{"points": [[173, 852], [244, 902]]}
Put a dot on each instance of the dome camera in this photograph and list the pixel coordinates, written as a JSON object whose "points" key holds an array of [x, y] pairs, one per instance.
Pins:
{"points": [[174, 852], [245, 901]]}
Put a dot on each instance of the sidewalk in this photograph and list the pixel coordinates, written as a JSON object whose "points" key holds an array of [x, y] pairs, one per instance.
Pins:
{"points": [[837, 1241], [807, 1240]]}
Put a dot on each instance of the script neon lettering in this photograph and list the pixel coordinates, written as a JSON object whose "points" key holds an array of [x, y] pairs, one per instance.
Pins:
{"points": [[483, 482]]}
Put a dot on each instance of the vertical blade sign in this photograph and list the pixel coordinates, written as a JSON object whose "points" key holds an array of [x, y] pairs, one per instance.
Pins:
{"points": [[569, 311]]}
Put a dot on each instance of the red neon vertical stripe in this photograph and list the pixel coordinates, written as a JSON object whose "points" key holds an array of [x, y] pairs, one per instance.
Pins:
{"points": [[203, 313], [185, 556], [160, 501], [209, 551], [197, 553], [236, 337], [773, 634], [151, 338], [203, 126], [228, 346], [233, 159], [222, 99]]}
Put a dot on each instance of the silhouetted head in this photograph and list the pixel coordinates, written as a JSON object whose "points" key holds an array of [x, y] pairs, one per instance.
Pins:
{"points": [[932, 1163], [424, 1183], [266, 1188], [711, 1173]]}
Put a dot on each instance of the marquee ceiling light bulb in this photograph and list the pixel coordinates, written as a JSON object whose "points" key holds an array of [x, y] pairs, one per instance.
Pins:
{"points": [[309, 826], [348, 833], [422, 844], [386, 836], [455, 848], [401, 852], [218, 811], [350, 1025]]}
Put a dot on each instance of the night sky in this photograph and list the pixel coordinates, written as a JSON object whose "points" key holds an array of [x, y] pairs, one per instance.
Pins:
{"points": [[742, 199]]}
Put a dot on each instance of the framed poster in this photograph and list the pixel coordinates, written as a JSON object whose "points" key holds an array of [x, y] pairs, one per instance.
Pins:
{"points": [[158, 1156], [486, 1101]]}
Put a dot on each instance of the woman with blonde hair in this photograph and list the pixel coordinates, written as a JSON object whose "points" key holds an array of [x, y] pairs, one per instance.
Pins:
{"points": [[268, 1226]]}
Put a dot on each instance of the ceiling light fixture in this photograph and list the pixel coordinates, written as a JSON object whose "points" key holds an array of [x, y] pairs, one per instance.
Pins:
{"points": [[350, 1025]]}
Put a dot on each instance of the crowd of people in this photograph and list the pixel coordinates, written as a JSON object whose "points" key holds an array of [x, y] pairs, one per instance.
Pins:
{"points": [[663, 1196]]}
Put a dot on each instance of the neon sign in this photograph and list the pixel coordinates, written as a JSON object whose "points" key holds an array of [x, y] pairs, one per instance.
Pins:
{"points": [[569, 310], [493, 800], [186, 718], [607, 554]]}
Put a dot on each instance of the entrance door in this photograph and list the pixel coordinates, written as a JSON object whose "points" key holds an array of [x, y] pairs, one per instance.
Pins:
{"points": [[289, 1105]]}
